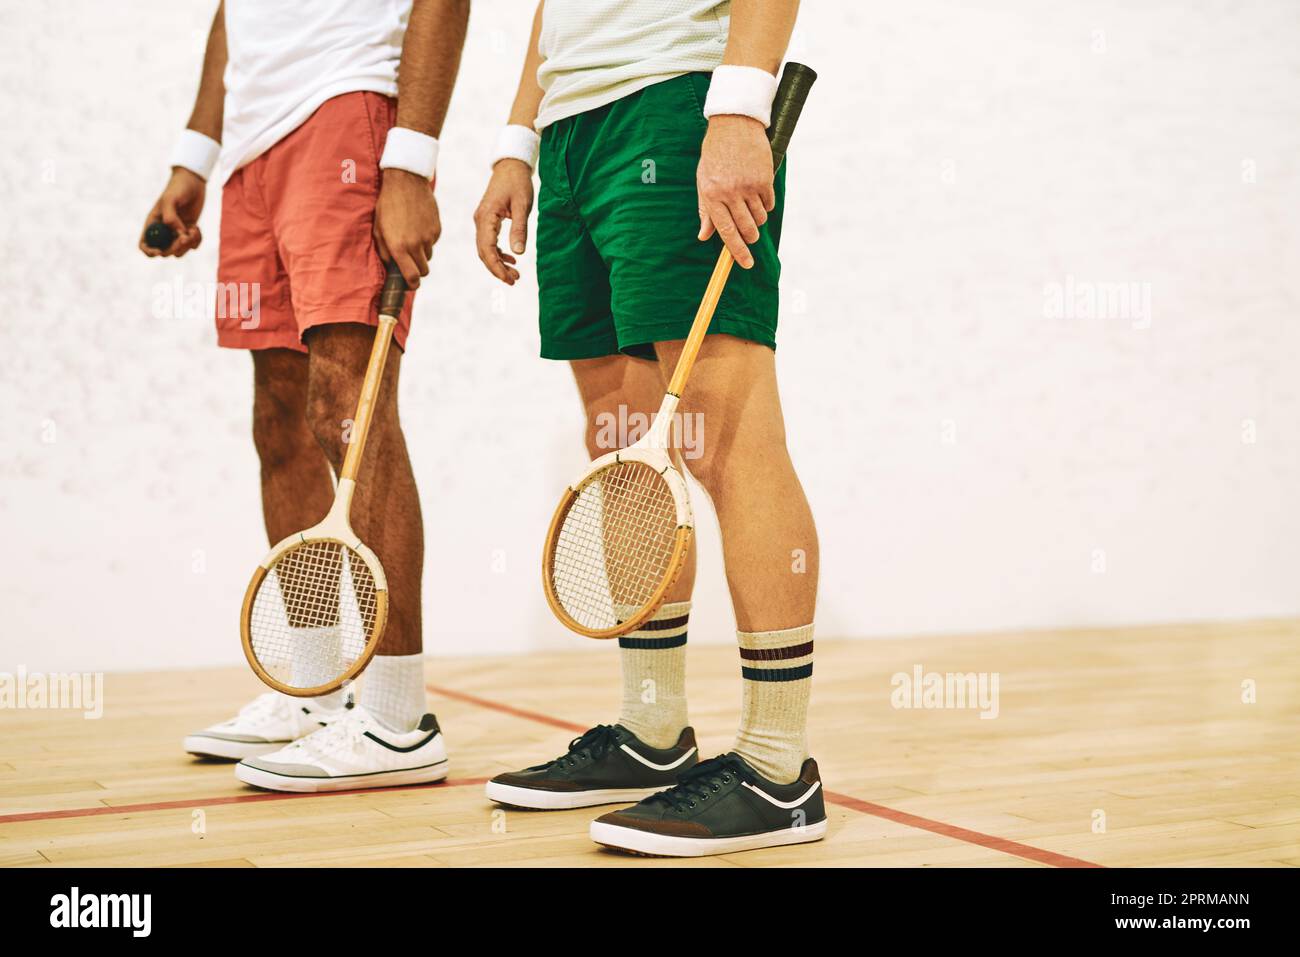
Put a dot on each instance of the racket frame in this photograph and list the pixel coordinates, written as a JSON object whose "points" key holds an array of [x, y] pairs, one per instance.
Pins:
{"points": [[653, 450], [336, 526]]}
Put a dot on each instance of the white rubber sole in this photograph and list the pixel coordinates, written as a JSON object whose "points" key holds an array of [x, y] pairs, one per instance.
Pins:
{"points": [[538, 800], [351, 782], [664, 845], [205, 747]]}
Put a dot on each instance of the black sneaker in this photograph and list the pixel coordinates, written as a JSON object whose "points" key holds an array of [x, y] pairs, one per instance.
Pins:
{"points": [[719, 806], [606, 765]]}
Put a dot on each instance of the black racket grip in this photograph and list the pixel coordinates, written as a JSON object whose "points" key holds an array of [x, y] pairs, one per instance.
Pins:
{"points": [[394, 294], [159, 235], [791, 94]]}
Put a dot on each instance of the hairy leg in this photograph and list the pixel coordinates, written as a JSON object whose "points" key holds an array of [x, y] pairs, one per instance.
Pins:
{"points": [[386, 510], [618, 389], [768, 537], [296, 486]]}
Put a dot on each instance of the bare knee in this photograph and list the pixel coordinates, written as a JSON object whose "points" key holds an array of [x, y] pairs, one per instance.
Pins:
{"points": [[723, 448], [278, 430], [732, 432], [619, 394], [279, 399], [329, 420], [332, 397], [338, 358], [708, 466]]}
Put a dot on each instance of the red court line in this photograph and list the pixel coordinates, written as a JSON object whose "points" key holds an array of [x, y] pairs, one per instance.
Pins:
{"points": [[506, 709], [1000, 844], [1015, 848], [102, 809]]}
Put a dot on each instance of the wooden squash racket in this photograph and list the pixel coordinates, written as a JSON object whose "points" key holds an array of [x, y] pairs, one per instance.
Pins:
{"points": [[317, 605], [622, 532]]}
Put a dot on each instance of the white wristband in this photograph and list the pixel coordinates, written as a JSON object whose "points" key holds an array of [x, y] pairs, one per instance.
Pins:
{"points": [[516, 142], [742, 91], [196, 153], [410, 150]]}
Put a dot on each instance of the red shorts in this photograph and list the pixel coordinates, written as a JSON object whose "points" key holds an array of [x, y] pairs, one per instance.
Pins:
{"points": [[297, 242]]}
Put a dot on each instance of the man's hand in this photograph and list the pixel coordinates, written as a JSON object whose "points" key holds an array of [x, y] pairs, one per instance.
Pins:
{"points": [[179, 207], [509, 195], [407, 223], [734, 180]]}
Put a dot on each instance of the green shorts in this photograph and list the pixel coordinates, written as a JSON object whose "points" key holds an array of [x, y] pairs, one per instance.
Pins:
{"points": [[618, 264]]}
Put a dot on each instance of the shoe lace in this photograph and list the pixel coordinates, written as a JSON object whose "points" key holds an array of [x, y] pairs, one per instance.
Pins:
{"points": [[343, 734], [595, 743], [696, 784]]}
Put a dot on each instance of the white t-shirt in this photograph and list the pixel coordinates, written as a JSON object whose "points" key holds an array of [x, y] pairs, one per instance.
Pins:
{"points": [[287, 57], [599, 51]]}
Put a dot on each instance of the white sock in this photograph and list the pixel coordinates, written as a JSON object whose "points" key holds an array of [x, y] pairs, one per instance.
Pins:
{"points": [[393, 690]]}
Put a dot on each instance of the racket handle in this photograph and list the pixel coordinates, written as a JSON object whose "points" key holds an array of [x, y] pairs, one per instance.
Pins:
{"points": [[791, 94], [393, 297], [158, 235]]}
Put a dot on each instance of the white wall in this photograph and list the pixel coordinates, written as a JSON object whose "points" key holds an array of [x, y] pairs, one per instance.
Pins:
{"points": [[966, 454]]}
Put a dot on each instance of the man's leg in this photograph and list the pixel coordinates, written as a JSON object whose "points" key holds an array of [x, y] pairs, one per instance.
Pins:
{"points": [[768, 537], [650, 744], [297, 489], [296, 493], [769, 542], [386, 510], [296, 486], [389, 740], [768, 792], [618, 389]]}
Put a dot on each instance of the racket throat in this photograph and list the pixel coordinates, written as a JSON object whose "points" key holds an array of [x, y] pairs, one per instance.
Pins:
{"points": [[660, 434], [336, 521]]}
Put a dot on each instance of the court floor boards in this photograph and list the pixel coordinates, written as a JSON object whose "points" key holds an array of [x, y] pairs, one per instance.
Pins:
{"points": [[1173, 745]]}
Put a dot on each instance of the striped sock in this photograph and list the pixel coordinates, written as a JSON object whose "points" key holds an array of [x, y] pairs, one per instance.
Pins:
{"points": [[777, 670], [654, 677]]}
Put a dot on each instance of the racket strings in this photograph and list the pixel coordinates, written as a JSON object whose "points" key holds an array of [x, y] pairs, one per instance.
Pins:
{"points": [[615, 545], [314, 614]]}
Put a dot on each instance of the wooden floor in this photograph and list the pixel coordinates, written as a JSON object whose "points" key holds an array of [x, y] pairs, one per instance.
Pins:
{"points": [[1128, 747]]}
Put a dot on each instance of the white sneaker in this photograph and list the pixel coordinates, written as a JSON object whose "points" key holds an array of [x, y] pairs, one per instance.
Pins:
{"points": [[354, 751], [266, 724]]}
